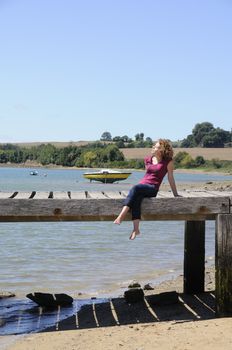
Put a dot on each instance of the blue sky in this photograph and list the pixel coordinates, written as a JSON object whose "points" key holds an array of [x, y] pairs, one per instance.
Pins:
{"points": [[72, 69]]}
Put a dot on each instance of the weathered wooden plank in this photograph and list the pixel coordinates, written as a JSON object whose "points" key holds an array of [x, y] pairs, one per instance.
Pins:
{"points": [[187, 194], [196, 194], [95, 195], [162, 194], [181, 193], [23, 195], [223, 262], [6, 195], [194, 257], [218, 193], [223, 193], [106, 209], [113, 194], [41, 195], [124, 193], [207, 194], [204, 206], [78, 195], [60, 195]]}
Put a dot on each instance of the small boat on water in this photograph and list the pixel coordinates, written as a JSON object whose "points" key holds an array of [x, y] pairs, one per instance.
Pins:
{"points": [[107, 175], [34, 172]]}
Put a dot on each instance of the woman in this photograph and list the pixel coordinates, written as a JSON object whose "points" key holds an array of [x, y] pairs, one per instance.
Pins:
{"points": [[157, 166]]}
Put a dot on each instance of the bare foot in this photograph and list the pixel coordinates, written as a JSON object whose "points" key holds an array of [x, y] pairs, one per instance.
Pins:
{"points": [[134, 234], [117, 221]]}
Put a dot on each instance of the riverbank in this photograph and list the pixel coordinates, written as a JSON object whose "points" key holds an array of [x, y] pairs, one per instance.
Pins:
{"points": [[188, 324]]}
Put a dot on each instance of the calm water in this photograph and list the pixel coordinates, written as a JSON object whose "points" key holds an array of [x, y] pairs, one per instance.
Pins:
{"points": [[91, 258], [13, 179]]}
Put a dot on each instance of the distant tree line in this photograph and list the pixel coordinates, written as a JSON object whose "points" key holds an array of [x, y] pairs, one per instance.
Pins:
{"points": [[92, 155], [203, 135], [95, 155], [106, 152], [126, 141]]}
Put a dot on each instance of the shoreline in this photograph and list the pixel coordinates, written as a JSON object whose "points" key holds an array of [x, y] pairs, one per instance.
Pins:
{"points": [[60, 167]]}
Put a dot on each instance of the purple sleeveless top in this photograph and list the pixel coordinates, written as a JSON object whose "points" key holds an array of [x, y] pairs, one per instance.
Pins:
{"points": [[154, 172]]}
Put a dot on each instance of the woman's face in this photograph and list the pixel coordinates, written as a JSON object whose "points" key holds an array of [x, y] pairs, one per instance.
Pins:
{"points": [[156, 150]]}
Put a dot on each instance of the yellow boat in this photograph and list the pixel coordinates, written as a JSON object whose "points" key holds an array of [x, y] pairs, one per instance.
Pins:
{"points": [[107, 176]]}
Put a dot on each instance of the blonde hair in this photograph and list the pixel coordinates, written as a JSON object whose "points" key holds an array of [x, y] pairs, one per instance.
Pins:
{"points": [[166, 149]]}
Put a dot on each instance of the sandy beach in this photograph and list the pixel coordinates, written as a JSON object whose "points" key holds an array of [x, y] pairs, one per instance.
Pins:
{"points": [[212, 334]]}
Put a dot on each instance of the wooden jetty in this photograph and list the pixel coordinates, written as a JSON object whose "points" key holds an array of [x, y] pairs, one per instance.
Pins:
{"points": [[194, 207]]}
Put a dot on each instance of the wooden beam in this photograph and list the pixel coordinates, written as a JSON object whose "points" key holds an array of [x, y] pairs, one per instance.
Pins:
{"points": [[223, 262], [194, 257], [99, 209]]}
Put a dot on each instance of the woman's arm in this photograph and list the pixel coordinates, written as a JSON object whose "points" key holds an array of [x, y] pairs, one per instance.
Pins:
{"points": [[171, 179], [147, 162]]}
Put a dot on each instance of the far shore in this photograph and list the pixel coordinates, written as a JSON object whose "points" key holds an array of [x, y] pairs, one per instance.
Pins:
{"points": [[60, 167]]}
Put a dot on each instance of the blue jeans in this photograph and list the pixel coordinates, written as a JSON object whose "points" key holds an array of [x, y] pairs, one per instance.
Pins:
{"points": [[135, 197]]}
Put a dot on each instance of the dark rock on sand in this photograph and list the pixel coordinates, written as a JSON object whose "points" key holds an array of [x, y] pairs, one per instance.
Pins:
{"points": [[50, 300], [148, 287], [133, 295], [4, 295], [134, 285], [165, 298]]}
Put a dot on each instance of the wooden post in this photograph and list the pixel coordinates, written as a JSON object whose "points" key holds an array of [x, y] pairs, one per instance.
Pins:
{"points": [[223, 264], [194, 257]]}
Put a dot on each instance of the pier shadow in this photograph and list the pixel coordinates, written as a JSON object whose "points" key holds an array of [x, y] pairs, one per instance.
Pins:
{"points": [[117, 311]]}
